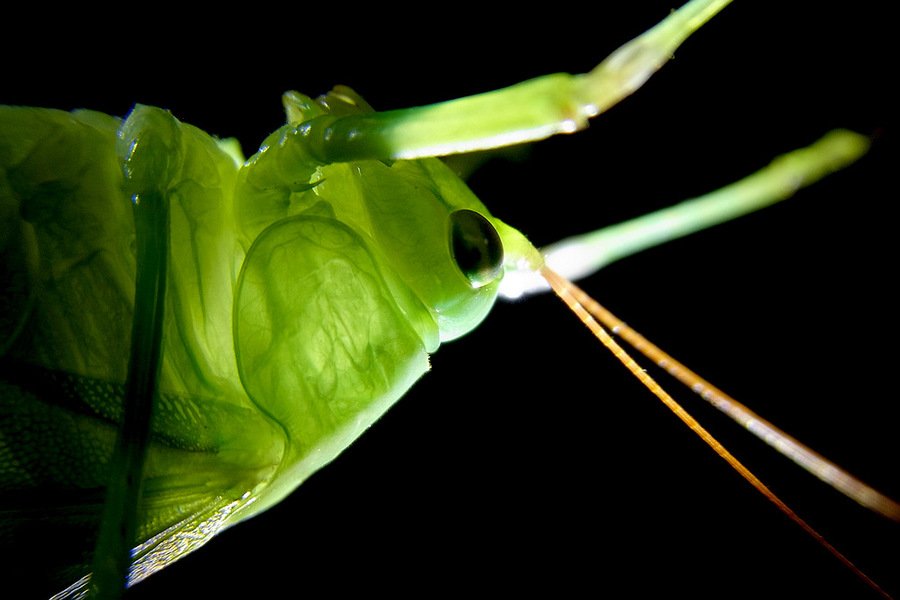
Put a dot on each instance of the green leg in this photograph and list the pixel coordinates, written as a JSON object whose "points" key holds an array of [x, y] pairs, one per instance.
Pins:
{"points": [[112, 557], [582, 255], [529, 111]]}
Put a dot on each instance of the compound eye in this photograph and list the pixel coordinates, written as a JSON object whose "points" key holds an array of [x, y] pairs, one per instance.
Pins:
{"points": [[475, 247]]}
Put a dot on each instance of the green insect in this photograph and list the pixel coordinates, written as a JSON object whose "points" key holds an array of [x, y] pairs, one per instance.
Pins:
{"points": [[496, 472]]}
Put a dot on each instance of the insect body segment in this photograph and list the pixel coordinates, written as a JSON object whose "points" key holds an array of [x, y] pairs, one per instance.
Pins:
{"points": [[345, 290], [302, 300], [373, 197]]}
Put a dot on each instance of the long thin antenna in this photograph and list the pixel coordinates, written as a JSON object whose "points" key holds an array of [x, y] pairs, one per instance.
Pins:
{"points": [[800, 453], [577, 300]]}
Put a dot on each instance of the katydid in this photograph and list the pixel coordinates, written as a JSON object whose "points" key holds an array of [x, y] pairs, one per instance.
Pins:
{"points": [[531, 363]]}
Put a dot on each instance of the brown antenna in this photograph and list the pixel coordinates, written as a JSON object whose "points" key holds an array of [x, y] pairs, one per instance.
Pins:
{"points": [[586, 309]]}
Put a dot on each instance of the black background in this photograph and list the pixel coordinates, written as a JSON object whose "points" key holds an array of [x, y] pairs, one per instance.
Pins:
{"points": [[528, 460]]}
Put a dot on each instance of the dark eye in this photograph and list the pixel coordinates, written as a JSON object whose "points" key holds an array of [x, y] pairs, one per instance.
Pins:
{"points": [[476, 247]]}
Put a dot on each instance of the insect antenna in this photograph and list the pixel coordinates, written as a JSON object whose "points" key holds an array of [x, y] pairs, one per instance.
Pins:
{"points": [[591, 313]]}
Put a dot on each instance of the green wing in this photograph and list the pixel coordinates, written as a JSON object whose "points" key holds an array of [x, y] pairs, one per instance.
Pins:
{"points": [[69, 269]]}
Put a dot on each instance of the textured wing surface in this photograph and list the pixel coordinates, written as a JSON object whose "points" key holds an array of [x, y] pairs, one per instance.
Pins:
{"points": [[67, 244]]}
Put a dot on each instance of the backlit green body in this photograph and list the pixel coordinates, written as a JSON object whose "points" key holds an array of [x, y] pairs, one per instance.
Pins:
{"points": [[302, 301]]}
